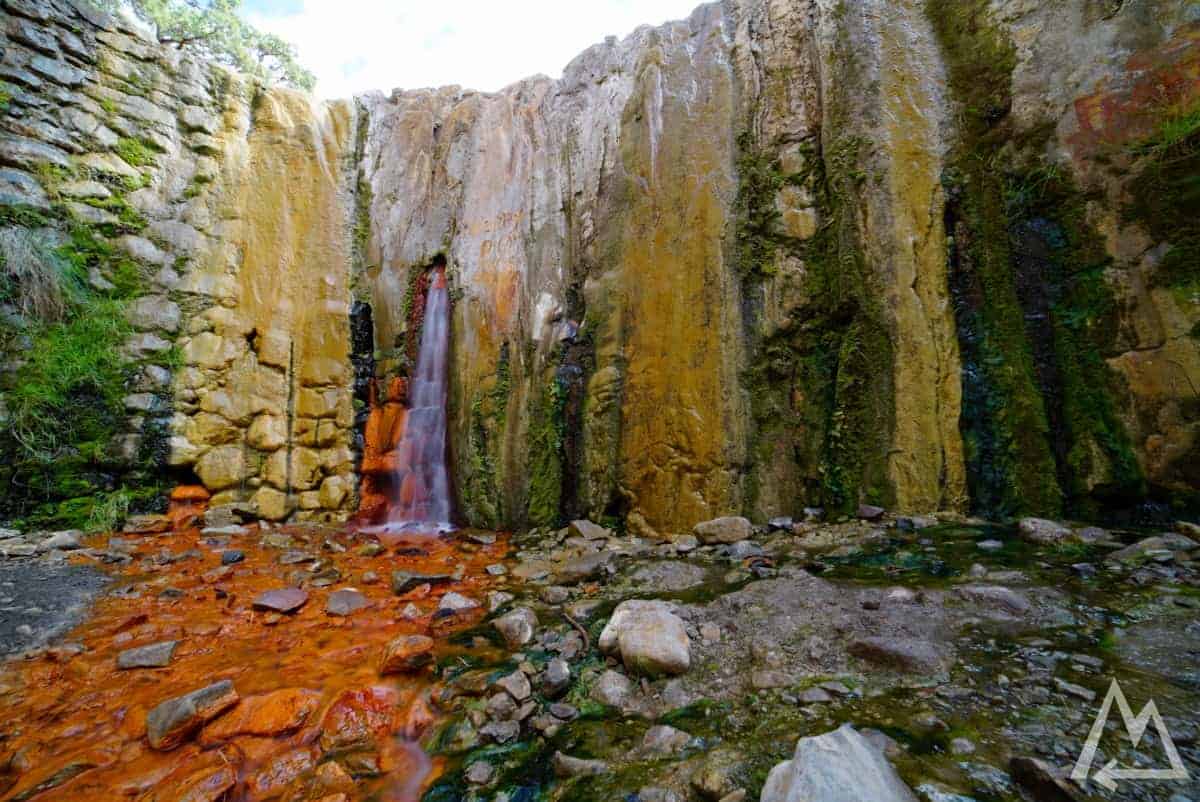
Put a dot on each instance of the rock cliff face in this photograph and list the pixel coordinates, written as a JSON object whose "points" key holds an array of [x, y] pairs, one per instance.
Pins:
{"points": [[927, 254]]}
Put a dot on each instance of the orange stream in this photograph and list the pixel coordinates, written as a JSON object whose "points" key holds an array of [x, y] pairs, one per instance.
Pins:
{"points": [[65, 710]]}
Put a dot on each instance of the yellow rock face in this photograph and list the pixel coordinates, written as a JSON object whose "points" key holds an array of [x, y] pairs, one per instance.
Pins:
{"points": [[277, 345]]}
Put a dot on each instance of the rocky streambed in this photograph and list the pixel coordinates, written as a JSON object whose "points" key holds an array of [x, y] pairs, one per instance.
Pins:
{"points": [[299, 663]]}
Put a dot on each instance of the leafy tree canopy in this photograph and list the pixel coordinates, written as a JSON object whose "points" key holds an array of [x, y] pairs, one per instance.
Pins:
{"points": [[217, 28]]}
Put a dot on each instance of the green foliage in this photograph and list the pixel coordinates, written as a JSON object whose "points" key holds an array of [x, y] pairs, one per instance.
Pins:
{"points": [[217, 30], [5, 94]]}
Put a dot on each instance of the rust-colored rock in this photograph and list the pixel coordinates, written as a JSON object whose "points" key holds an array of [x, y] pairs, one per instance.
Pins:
{"points": [[407, 653], [173, 721], [359, 716], [269, 715]]}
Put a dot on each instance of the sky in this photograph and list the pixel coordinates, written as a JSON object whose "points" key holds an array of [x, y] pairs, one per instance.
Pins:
{"points": [[359, 45]]}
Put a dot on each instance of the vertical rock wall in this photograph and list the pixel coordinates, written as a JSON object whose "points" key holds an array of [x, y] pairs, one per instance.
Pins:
{"points": [[924, 253]]}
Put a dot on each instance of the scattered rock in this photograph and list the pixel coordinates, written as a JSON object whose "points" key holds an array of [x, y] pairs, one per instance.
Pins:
{"points": [[613, 689], [994, 596], [501, 731], [232, 556], [578, 569], [407, 653], [456, 603], [284, 600], [497, 599], [147, 524], [730, 529], [345, 602], [172, 722], [1042, 532], [62, 541], [990, 545], [266, 716], [556, 678], [156, 655], [869, 512], [567, 766], [672, 576], [404, 581], [663, 740], [516, 685], [650, 638], [839, 766], [517, 627], [480, 773], [588, 530], [902, 654]]}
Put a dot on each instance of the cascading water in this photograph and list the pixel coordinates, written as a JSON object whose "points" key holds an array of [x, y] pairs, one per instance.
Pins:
{"points": [[422, 482]]}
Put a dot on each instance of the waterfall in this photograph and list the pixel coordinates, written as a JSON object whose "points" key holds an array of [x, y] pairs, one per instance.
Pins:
{"points": [[421, 492]]}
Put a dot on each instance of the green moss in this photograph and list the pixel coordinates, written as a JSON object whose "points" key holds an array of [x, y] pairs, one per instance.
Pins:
{"points": [[546, 433], [1165, 196], [136, 152], [482, 501], [758, 238], [1034, 312], [6, 95]]}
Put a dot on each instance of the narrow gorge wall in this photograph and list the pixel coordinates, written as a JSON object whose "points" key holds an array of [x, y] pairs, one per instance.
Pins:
{"points": [[927, 254]]}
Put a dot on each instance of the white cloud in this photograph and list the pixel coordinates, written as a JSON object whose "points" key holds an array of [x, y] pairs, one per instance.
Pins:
{"points": [[359, 45]]}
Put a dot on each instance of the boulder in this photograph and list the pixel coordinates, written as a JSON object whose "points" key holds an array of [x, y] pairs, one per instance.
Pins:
{"points": [[1146, 548], [578, 569], [839, 766], [994, 596], [730, 529], [266, 716], [567, 766], [869, 512], [147, 524], [456, 603], [612, 689], [172, 722], [650, 638]]}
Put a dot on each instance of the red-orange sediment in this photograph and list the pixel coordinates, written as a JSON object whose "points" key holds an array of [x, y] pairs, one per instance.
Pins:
{"points": [[315, 720]]}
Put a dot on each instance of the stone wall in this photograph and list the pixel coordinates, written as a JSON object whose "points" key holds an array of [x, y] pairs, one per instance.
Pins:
{"points": [[231, 201]]}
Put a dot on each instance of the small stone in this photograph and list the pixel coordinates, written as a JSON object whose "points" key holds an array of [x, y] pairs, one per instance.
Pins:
{"points": [[345, 602], [869, 512], [556, 678], [404, 581], [815, 696], [497, 599], [496, 569], [284, 600], [555, 594], [710, 632], [686, 543], [1043, 781], [781, 524], [516, 685], [147, 524], [567, 766], [664, 740], [1042, 532], [501, 732], [480, 773], [156, 655], [1078, 691], [517, 627], [588, 530], [612, 689], [410, 612], [62, 541], [407, 653], [456, 603], [962, 746], [564, 711], [500, 706], [173, 721], [231, 557]]}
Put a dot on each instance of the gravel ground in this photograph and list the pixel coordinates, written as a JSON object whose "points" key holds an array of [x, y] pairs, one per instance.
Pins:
{"points": [[41, 600]]}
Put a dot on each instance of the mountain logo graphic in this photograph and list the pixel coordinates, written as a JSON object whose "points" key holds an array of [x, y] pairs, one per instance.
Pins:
{"points": [[1136, 726]]}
